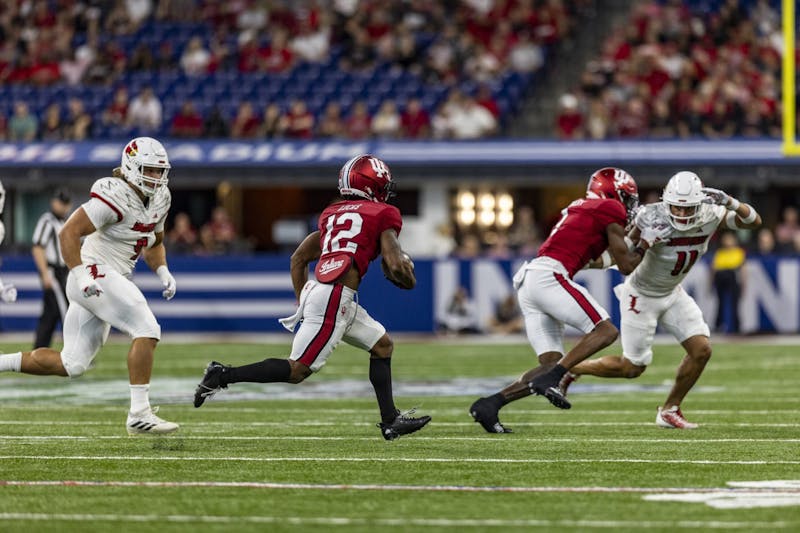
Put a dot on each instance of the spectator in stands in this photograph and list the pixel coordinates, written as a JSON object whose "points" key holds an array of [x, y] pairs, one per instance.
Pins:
{"points": [[142, 58], [195, 59], [276, 57], [472, 121], [632, 119], [525, 55], [144, 112], [22, 126], [524, 230], [358, 52], [311, 44], [358, 124], [116, 114], [220, 230], [469, 248], [182, 238], [765, 242], [569, 121], [52, 126], [246, 123], [138, 11], [187, 122], [499, 246], [215, 125], [298, 122], [3, 127], [662, 121], [165, 59], [78, 124], [460, 316], [507, 317], [386, 122], [272, 123], [484, 98], [331, 125], [788, 229], [415, 122], [248, 53]]}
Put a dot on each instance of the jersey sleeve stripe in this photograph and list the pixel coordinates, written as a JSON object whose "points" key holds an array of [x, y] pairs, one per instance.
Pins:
{"points": [[109, 204], [578, 296]]}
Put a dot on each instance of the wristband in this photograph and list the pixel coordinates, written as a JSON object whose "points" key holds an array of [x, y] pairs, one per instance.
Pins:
{"points": [[639, 250], [749, 219], [734, 204]]}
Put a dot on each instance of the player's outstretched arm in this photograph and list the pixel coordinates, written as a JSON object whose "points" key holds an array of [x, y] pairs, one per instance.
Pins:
{"points": [[740, 215], [307, 251], [397, 265], [625, 258]]}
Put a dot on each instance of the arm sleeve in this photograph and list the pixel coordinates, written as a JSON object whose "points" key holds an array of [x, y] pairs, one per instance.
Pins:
{"points": [[101, 209], [391, 219]]}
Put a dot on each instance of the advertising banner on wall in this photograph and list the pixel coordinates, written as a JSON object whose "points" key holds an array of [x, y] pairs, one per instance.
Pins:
{"points": [[249, 294]]}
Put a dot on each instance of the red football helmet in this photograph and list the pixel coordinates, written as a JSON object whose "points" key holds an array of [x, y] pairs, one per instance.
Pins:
{"points": [[616, 184], [368, 177]]}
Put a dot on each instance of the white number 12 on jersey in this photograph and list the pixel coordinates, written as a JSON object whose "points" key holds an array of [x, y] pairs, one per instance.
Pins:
{"points": [[335, 233]]}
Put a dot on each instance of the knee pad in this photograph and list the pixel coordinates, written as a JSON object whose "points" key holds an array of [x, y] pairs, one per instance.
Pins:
{"points": [[74, 368]]}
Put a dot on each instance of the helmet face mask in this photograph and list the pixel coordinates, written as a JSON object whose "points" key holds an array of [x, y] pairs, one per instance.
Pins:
{"points": [[683, 197], [615, 184], [368, 177], [145, 165]]}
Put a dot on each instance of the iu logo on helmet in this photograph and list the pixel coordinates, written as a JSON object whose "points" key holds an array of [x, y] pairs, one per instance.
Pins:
{"points": [[379, 167]]}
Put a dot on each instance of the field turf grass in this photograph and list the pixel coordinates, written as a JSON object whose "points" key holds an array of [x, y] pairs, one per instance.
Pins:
{"points": [[269, 463]]}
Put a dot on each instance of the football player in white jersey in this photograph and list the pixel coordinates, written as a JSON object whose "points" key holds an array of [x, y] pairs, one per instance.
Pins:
{"points": [[123, 218], [8, 293], [652, 294]]}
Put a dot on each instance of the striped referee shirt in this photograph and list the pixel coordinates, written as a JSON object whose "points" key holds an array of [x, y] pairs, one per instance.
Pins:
{"points": [[46, 235]]}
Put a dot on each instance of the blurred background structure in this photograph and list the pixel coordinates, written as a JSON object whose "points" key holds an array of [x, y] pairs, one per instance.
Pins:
{"points": [[491, 114]]}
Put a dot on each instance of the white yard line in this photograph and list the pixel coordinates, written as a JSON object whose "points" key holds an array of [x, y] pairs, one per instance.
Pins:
{"points": [[412, 488], [295, 459], [324, 423], [515, 440], [404, 521]]}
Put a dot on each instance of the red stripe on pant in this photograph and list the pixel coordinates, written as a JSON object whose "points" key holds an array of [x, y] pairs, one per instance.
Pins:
{"points": [[578, 296], [322, 337]]}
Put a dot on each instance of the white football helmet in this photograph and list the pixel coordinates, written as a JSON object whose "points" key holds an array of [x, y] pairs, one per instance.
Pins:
{"points": [[684, 189], [144, 152]]}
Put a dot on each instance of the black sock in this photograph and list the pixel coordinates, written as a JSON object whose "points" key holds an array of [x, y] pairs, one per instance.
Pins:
{"points": [[498, 400], [380, 375], [559, 371], [266, 371]]}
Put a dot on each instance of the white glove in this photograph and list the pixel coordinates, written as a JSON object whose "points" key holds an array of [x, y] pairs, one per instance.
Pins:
{"points": [[718, 197], [654, 233], [8, 292], [87, 283], [168, 281]]}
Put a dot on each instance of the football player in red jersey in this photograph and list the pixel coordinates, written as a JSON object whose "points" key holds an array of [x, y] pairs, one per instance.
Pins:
{"points": [[352, 232], [590, 229]]}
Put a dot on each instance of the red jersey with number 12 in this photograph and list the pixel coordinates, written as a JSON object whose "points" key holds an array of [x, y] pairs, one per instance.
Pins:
{"points": [[580, 235], [354, 227]]}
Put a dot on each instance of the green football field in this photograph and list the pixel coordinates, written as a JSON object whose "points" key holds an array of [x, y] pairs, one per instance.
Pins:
{"points": [[309, 457]]}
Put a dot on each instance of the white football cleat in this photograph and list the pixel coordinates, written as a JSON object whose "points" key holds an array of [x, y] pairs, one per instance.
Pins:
{"points": [[673, 418], [146, 422]]}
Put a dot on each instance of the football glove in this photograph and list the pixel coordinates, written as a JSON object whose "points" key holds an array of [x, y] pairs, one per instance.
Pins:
{"points": [[168, 281], [718, 197], [8, 293], [655, 233], [88, 285]]}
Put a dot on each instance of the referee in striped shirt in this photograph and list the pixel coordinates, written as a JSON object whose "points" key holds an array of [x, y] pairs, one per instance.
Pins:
{"points": [[53, 271]]}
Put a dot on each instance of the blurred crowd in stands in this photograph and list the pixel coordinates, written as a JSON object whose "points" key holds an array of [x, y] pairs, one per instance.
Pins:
{"points": [[77, 69], [676, 69]]}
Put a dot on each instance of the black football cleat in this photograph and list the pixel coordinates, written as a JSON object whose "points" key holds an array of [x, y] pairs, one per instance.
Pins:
{"points": [[210, 384], [547, 386], [403, 424], [486, 415]]}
